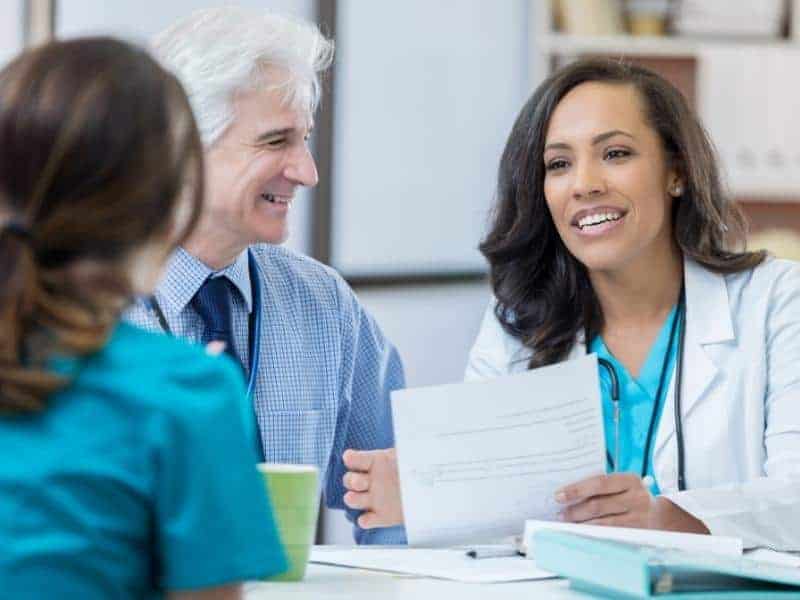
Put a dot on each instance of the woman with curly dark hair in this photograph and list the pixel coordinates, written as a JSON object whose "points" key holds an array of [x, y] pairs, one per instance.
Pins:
{"points": [[613, 234], [128, 466]]}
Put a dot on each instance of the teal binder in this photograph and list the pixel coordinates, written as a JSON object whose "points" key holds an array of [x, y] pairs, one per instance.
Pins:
{"points": [[620, 570]]}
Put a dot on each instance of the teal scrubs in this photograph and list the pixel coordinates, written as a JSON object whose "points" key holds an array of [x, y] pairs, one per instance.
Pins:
{"points": [[137, 478], [637, 400]]}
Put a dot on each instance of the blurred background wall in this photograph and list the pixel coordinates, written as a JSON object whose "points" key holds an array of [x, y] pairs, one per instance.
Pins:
{"points": [[422, 96], [12, 24]]}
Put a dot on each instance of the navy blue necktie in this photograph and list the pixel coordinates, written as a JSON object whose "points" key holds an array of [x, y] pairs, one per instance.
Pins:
{"points": [[213, 303]]}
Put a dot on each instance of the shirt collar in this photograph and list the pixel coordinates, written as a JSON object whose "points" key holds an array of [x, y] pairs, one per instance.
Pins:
{"points": [[238, 273], [185, 274]]}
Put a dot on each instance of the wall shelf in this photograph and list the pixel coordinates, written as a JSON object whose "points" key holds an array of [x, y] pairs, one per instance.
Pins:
{"points": [[548, 45], [560, 44], [675, 57]]}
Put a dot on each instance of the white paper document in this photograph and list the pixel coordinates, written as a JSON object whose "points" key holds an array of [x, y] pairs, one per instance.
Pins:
{"points": [[773, 557], [451, 564], [478, 459], [672, 540]]}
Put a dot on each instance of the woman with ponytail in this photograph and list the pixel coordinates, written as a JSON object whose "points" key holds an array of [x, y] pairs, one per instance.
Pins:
{"points": [[128, 458]]}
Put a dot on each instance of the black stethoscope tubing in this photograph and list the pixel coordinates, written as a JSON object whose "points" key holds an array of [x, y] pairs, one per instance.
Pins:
{"points": [[678, 323]]}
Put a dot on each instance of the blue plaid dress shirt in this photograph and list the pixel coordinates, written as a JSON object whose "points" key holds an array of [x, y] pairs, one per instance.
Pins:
{"points": [[325, 371]]}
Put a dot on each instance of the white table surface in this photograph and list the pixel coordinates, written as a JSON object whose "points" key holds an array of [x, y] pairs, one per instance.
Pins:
{"points": [[340, 582]]}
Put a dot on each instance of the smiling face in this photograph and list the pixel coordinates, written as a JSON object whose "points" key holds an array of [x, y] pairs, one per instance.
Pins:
{"points": [[607, 183], [253, 171]]}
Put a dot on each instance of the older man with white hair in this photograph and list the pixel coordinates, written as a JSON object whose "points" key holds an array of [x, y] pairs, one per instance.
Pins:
{"points": [[319, 369]]}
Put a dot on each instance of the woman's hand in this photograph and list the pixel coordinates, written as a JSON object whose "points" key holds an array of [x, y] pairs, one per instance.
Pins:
{"points": [[622, 500]]}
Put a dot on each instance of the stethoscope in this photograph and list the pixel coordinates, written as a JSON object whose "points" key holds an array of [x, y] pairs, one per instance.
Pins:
{"points": [[253, 325], [679, 324]]}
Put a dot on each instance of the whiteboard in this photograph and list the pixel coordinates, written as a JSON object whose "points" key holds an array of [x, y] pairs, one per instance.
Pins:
{"points": [[11, 29], [425, 96], [140, 21]]}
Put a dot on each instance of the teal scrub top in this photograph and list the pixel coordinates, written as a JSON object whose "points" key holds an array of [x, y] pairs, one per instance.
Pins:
{"points": [[137, 478], [637, 400]]}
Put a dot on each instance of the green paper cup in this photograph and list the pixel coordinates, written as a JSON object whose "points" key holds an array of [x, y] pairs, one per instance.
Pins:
{"points": [[294, 496]]}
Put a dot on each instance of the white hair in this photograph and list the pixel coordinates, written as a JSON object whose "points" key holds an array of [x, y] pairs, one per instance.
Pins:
{"points": [[218, 52]]}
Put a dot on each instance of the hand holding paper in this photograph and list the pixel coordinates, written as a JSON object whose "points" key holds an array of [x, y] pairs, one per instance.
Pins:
{"points": [[618, 500], [621, 500], [478, 459]]}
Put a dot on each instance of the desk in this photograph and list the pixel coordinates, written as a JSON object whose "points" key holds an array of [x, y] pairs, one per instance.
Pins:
{"points": [[337, 582]]}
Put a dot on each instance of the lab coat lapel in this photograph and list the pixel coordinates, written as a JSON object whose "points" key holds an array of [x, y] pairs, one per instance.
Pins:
{"points": [[708, 321]]}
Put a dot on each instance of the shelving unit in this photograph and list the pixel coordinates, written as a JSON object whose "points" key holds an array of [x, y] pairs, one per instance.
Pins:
{"points": [[674, 57], [661, 46]]}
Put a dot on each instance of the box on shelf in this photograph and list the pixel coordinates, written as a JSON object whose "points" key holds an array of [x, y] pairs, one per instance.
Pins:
{"points": [[590, 17], [648, 17], [748, 104], [745, 18]]}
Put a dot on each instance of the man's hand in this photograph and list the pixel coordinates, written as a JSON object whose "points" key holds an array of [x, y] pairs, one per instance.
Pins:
{"points": [[373, 486], [622, 500], [215, 348]]}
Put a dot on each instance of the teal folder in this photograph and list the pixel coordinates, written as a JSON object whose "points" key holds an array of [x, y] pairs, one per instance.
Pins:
{"points": [[620, 570]]}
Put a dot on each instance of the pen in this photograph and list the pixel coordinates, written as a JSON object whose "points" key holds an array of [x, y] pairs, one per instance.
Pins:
{"points": [[492, 551]]}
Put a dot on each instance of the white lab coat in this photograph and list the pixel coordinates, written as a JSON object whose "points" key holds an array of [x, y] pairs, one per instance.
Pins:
{"points": [[740, 402]]}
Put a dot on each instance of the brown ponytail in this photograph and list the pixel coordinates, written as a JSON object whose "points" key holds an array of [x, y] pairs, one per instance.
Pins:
{"points": [[18, 387], [97, 144]]}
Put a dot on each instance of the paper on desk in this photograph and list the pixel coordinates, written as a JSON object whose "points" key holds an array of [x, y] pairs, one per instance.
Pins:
{"points": [[673, 540], [478, 459], [773, 557], [440, 563]]}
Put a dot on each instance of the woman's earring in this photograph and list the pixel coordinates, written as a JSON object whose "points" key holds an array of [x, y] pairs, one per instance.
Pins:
{"points": [[676, 191]]}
